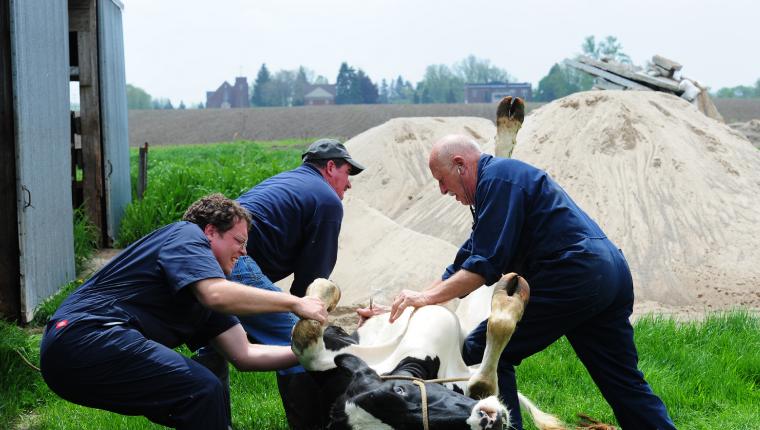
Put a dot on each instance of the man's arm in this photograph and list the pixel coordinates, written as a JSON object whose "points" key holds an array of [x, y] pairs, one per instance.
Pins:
{"points": [[233, 344], [463, 282], [230, 297]]}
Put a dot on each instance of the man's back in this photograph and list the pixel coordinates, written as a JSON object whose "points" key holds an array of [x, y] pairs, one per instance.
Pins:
{"points": [[296, 223]]}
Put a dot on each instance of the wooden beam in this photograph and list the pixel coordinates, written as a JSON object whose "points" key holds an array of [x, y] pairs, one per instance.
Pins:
{"points": [[607, 75], [89, 107], [604, 84], [642, 78], [666, 63], [10, 271]]}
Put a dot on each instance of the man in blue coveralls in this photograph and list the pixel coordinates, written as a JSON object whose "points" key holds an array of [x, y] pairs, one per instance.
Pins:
{"points": [[580, 283], [110, 344], [296, 220]]}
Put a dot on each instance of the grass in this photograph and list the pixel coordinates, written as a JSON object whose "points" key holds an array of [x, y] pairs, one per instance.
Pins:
{"points": [[179, 175], [707, 373]]}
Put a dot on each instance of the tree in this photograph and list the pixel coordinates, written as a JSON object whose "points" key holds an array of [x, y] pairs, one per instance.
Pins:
{"points": [[281, 89], [137, 98], [738, 92], [608, 48], [367, 89], [384, 92], [347, 90], [474, 70], [440, 84], [299, 87], [559, 82], [181, 105], [168, 104], [261, 87]]}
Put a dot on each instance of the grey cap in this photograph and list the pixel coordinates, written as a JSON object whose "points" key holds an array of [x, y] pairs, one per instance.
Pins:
{"points": [[327, 149]]}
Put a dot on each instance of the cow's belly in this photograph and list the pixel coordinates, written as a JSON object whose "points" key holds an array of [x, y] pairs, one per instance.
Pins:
{"points": [[431, 331]]}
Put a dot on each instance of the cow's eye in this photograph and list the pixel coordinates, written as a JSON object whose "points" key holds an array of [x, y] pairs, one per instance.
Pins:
{"points": [[399, 390]]}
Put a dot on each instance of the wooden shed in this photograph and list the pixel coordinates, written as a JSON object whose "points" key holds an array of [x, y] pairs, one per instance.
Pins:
{"points": [[44, 45]]}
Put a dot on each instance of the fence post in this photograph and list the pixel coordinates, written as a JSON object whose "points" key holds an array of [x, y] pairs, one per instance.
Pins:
{"points": [[142, 172]]}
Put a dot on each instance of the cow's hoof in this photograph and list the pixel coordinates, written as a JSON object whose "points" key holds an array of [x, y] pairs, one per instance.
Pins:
{"points": [[479, 388], [326, 291], [306, 335], [489, 413], [511, 109]]}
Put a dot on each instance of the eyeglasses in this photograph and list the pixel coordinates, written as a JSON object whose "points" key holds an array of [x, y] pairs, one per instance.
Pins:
{"points": [[241, 241]]}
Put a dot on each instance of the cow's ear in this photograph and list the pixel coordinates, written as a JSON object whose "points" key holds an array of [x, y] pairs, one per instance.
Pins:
{"points": [[351, 363]]}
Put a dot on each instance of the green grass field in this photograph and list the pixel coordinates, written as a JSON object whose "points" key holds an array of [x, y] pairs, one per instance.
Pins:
{"points": [[708, 372]]}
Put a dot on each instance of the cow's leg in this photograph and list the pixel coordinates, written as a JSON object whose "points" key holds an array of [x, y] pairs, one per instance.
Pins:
{"points": [[509, 118], [510, 296], [307, 334]]}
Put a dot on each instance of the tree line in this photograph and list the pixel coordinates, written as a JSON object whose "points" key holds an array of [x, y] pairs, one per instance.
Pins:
{"points": [[441, 83]]}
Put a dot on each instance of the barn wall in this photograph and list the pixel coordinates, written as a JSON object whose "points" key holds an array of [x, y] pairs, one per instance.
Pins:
{"points": [[40, 75]]}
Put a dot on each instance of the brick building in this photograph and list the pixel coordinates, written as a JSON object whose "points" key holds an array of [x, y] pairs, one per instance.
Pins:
{"points": [[316, 95], [228, 96], [493, 92]]}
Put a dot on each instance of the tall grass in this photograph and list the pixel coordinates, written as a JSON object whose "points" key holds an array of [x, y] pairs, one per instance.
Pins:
{"points": [[85, 239], [179, 175]]}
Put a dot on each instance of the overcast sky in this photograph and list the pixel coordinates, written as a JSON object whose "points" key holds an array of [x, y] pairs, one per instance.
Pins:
{"points": [[179, 49]]}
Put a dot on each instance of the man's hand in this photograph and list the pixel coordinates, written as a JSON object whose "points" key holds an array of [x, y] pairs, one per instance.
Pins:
{"points": [[311, 308], [367, 313], [408, 298]]}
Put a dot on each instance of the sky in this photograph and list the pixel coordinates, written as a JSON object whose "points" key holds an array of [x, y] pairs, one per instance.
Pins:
{"points": [[179, 49]]}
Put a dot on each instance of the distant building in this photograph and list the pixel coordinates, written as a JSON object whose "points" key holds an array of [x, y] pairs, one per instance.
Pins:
{"points": [[495, 91], [316, 95], [228, 96]]}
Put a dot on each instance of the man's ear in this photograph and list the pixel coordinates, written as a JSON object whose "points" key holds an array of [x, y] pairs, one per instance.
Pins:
{"points": [[210, 231]]}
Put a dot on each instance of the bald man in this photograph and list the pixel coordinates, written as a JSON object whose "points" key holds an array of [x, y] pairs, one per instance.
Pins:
{"points": [[580, 283]]}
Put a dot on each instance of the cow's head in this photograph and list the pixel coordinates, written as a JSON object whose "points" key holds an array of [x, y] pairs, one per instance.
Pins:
{"points": [[371, 402]]}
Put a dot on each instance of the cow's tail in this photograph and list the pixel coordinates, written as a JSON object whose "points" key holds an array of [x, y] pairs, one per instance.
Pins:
{"points": [[541, 419]]}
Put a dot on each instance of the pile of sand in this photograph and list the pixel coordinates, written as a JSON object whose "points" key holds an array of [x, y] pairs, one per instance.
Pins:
{"points": [[750, 129], [674, 189]]}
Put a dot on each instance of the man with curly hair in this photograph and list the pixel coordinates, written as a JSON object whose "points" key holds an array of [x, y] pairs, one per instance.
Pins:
{"points": [[110, 345]]}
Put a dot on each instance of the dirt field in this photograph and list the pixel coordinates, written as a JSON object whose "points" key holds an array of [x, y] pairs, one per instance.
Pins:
{"points": [[161, 127]]}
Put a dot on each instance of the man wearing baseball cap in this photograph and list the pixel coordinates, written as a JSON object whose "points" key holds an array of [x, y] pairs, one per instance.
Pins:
{"points": [[296, 219]]}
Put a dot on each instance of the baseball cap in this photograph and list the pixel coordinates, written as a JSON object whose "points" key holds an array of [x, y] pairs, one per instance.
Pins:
{"points": [[327, 149]]}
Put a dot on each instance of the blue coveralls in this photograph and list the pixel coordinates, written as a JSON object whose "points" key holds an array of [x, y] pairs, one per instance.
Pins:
{"points": [[296, 219], [580, 287], [109, 345]]}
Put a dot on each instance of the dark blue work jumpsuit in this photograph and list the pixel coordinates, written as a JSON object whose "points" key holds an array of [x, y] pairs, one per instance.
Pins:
{"points": [[109, 345], [580, 287]]}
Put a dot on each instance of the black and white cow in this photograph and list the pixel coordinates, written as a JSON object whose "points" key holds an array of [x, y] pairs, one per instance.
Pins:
{"points": [[425, 344]]}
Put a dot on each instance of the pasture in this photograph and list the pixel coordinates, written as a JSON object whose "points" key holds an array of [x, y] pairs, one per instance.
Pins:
{"points": [[707, 372]]}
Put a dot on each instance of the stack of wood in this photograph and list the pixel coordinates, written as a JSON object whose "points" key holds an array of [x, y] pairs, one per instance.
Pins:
{"points": [[662, 74]]}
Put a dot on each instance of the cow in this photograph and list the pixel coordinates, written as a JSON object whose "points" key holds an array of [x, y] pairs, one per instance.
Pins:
{"points": [[375, 377]]}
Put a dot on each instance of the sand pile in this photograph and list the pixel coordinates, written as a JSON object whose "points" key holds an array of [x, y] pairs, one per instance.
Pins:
{"points": [[673, 188], [750, 129]]}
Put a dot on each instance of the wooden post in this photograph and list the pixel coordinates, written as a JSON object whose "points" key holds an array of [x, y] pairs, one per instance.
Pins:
{"points": [[83, 18], [142, 172]]}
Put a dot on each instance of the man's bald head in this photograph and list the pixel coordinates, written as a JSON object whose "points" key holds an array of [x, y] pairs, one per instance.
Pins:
{"points": [[454, 164], [446, 148]]}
